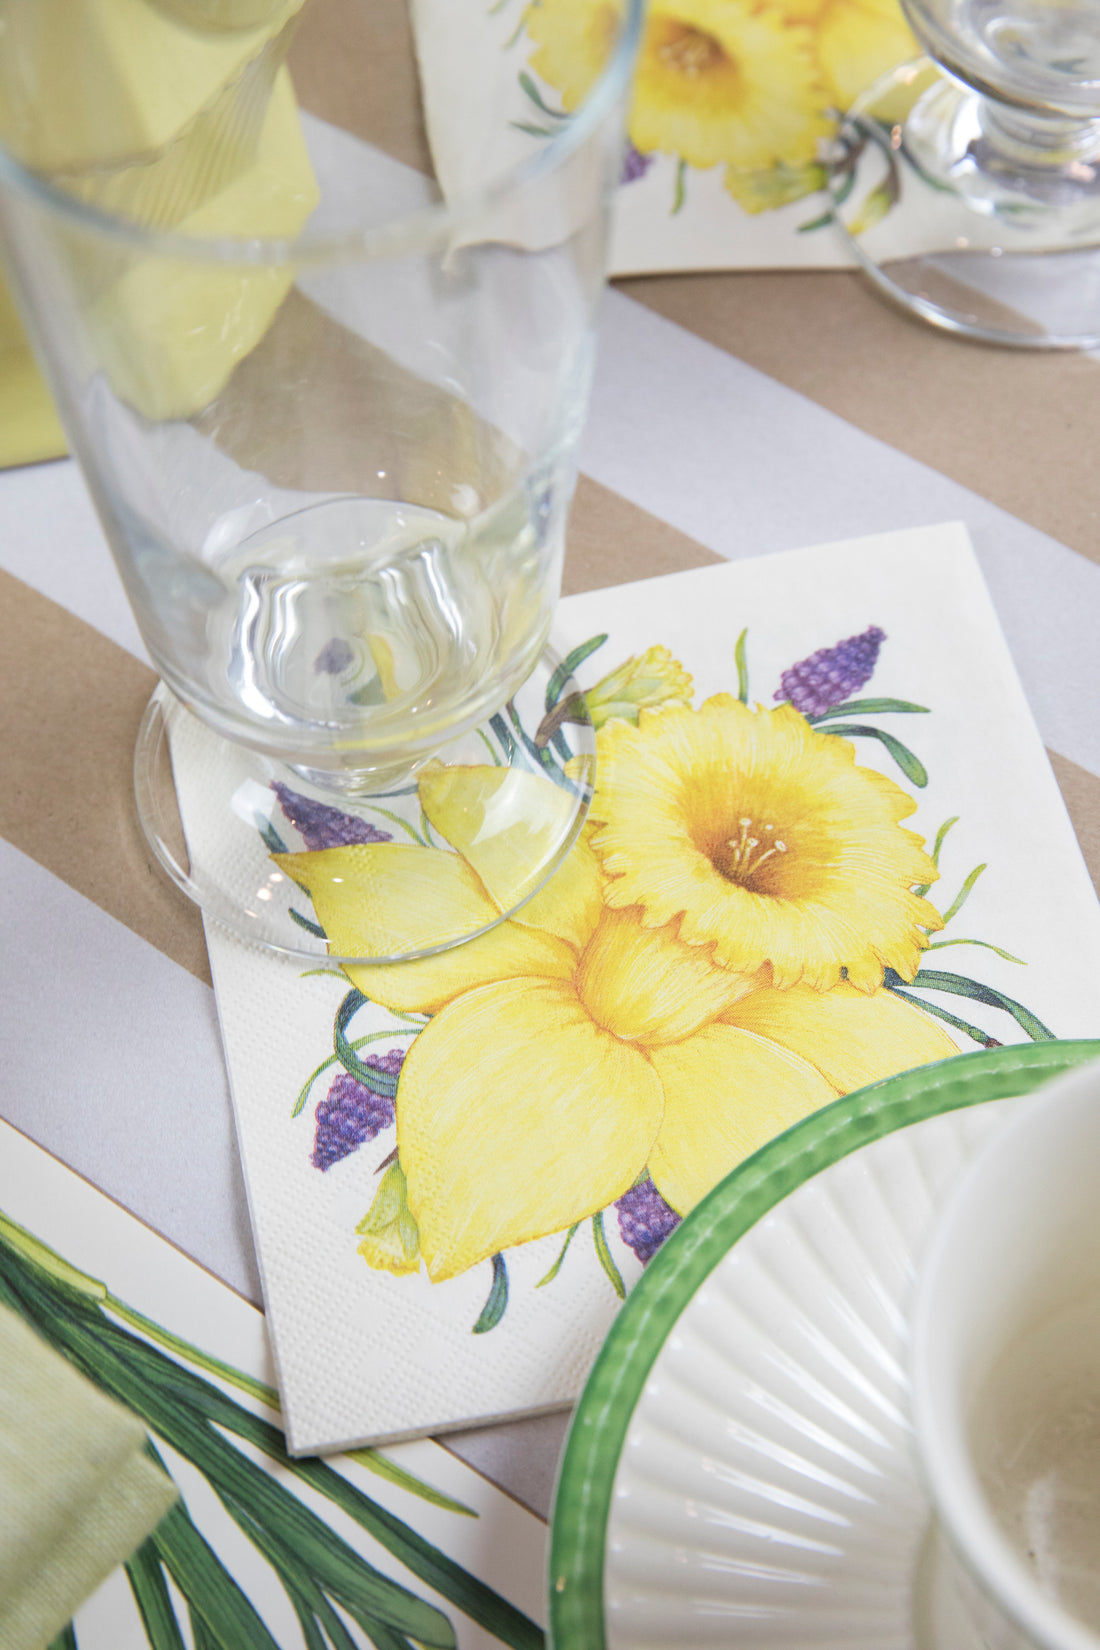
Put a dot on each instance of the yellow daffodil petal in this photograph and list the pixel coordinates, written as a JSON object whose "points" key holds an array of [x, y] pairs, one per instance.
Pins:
{"points": [[727, 1093], [851, 1037], [507, 825], [379, 898], [571, 903], [575, 39], [645, 985], [765, 838], [516, 1116], [857, 41]]}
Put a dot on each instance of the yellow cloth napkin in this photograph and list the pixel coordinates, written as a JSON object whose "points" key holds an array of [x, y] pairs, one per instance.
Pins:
{"points": [[29, 426], [178, 114], [77, 1492]]}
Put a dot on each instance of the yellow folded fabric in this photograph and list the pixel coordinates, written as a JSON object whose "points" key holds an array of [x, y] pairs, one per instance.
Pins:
{"points": [[169, 331], [180, 115], [77, 1492], [30, 429], [29, 426], [120, 79]]}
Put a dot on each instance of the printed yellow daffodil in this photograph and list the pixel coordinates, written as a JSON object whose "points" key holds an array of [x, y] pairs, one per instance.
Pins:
{"points": [[854, 41], [765, 840], [578, 1043], [717, 81]]}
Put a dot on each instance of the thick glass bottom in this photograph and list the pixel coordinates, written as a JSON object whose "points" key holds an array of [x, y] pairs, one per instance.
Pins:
{"points": [[1002, 250], [314, 875]]}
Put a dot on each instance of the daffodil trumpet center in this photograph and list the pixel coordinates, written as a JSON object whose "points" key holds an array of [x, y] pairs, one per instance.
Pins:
{"points": [[764, 839], [690, 52], [742, 856]]}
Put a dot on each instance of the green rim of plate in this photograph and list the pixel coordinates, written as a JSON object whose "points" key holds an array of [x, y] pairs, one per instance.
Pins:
{"points": [[582, 1501]]}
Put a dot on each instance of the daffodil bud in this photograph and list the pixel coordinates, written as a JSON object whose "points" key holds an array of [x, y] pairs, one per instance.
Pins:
{"points": [[642, 682], [391, 1241]]}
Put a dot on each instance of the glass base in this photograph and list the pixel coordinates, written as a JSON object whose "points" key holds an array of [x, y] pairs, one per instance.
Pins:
{"points": [[513, 794], [948, 223]]}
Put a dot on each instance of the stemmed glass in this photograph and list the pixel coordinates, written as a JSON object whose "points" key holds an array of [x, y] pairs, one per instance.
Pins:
{"points": [[316, 302], [968, 186]]}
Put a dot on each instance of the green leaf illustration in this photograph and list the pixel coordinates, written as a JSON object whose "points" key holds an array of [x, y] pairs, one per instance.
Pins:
{"points": [[599, 1238], [537, 99], [741, 662], [940, 945], [940, 837], [273, 842], [316, 1567], [973, 1032], [379, 1082], [556, 1268], [957, 985], [494, 1308], [308, 924], [914, 770], [568, 667], [869, 707], [680, 194], [963, 894]]}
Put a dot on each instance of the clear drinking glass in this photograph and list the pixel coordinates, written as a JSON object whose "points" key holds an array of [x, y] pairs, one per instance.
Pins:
{"points": [[968, 184], [314, 283]]}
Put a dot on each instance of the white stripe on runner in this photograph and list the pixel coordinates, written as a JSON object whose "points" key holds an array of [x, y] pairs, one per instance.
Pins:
{"points": [[140, 1104]]}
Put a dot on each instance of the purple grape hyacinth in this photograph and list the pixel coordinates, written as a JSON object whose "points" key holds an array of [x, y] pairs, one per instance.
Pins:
{"points": [[322, 826], [351, 1113], [645, 1219], [334, 658], [635, 165], [832, 674]]}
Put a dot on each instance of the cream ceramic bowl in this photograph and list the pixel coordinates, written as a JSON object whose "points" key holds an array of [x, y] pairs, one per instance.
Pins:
{"points": [[1015, 1251]]}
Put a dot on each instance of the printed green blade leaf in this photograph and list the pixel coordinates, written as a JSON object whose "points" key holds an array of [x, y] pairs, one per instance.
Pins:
{"points": [[562, 1252], [152, 1598], [207, 1585], [869, 707], [382, 1467], [599, 1238], [569, 664], [975, 1033], [957, 985], [963, 894], [741, 661], [913, 769], [383, 1083], [495, 1306]]}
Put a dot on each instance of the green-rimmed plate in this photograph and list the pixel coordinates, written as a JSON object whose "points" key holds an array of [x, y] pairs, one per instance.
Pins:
{"points": [[738, 1470]]}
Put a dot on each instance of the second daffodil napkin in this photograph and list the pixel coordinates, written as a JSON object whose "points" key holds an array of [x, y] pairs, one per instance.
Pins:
{"points": [[825, 846]]}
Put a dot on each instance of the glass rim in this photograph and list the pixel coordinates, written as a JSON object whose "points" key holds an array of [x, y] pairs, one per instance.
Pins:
{"points": [[412, 231]]}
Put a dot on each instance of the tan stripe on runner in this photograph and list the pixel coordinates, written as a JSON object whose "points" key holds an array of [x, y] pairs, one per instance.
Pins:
{"points": [[614, 542], [1016, 426], [72, 703]]}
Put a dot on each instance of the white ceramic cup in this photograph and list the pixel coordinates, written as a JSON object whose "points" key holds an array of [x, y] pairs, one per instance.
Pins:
{"points": [[1005, 1353]]}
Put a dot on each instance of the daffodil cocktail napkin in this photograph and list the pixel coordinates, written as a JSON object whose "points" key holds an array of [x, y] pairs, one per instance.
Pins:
{"points": [[825, 846], [733, 130]]}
